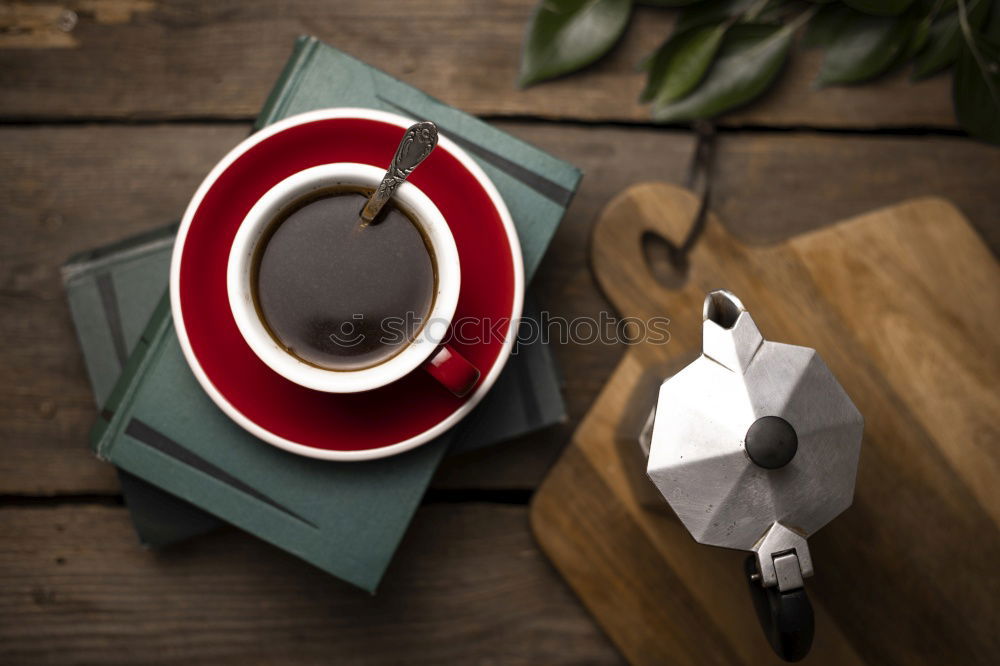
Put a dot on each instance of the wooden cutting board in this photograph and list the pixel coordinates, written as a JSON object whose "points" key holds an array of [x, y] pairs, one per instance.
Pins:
{"points": [[903, 304]]}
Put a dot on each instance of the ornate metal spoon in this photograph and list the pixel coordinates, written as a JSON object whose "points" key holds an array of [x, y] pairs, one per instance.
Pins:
{"points": [[417, 144]]}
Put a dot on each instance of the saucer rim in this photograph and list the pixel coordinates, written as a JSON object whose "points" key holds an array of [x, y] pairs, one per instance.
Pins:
{"points": [[245, 422]]}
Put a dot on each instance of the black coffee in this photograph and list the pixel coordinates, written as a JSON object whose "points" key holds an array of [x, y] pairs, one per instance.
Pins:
{"points": [[338, 294]]}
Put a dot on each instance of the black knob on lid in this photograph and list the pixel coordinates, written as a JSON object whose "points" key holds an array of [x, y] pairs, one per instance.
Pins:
{"points": [[771, 442]]}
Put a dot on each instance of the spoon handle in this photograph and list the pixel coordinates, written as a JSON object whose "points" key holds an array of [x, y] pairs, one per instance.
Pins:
{"points": [[417, 143]]}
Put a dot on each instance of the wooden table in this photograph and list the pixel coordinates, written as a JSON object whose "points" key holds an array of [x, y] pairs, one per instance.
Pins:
{"points": [[108, 125]]}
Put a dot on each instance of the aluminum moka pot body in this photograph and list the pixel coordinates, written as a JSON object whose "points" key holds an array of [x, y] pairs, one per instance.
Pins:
{"points": [[755, 446]]}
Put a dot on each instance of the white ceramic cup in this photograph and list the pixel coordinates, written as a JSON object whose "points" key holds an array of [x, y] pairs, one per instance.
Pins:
{"points": [[426, 350]]}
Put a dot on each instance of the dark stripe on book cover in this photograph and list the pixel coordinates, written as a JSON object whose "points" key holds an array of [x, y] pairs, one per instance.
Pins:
{"points": [[109, 301], [547, 188], [157, 440], [526, 392]]}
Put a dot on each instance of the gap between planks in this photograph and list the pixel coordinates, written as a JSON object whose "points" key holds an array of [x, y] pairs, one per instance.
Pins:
{"points": [[721, 127], [508, 496]]}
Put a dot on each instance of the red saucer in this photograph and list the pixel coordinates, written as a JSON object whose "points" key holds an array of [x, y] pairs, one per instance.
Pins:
{"points": [[326, 425]]}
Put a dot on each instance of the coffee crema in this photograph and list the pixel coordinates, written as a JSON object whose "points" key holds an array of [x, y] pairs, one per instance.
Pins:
{"points": [[338, 294]]}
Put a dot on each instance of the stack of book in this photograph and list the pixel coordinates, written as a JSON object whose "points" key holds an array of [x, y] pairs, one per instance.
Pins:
{"points": [[186, 468]]}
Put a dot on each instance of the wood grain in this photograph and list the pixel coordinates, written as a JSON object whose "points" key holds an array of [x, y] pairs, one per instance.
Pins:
{"points": [[936, 308], [467, 586], [189, 59], [70, 188], [898, 317]]}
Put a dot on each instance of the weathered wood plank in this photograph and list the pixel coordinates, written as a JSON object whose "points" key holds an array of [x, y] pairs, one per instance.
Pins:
{"points": [[69, 188], [188, 59], [468, 586], [767, 187]]}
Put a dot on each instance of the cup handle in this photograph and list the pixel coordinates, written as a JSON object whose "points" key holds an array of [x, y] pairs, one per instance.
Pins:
{"points": [[453, 371]]}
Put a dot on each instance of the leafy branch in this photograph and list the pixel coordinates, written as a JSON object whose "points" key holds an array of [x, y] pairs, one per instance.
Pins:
{"points": [[722, 54]]}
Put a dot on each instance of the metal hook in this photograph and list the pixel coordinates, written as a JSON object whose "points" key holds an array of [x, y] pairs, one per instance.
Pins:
{"points": [[659, 250]]}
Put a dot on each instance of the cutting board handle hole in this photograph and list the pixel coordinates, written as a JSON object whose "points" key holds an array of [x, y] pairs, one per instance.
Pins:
{"points": [[666, 262]]}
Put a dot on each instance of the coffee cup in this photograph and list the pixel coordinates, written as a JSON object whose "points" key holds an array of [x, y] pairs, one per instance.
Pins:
{"points": [[423, 347]]}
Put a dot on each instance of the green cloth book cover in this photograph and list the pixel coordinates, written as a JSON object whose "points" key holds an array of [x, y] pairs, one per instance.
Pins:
{"points": [[113, 290], [161, 427]]}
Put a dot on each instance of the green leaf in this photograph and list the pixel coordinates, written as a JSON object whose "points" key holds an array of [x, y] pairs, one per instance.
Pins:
{"points": [[666, 3], [708, 12], [773, 11], [680, 64], [944, 41], [826, 25], [976, 89], [879, 7], [992, 27], [565, 35], [865, 47], [705, 12], [749, 60], [918, 38], [943, 46]]}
